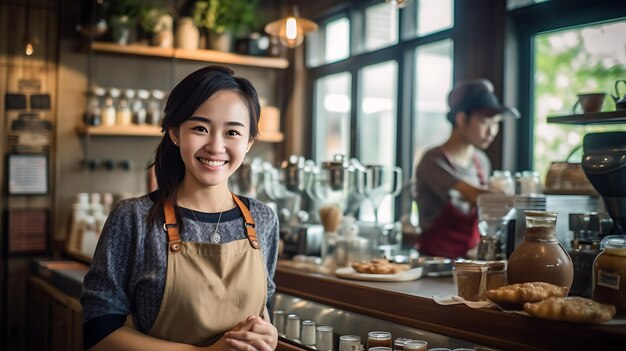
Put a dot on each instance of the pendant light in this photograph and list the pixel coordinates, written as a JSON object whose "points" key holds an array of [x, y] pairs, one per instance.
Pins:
{"points": [[399, 3], [291, 29]]}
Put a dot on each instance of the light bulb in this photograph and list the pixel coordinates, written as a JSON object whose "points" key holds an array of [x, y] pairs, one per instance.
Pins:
{"points": [[399, 3], [291, 34], [29, 49], [291, 28]]}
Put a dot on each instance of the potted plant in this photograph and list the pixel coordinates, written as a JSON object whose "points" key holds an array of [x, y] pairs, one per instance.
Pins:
{"points": [[222, 20], [158, 24], [123, 16]]}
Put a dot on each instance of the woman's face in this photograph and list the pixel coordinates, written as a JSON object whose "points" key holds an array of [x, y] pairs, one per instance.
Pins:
{"points": [[214, 140], [480, 130]]}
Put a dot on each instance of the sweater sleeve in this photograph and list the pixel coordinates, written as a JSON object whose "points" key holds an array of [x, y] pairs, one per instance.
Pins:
{"points": [[104, 298]]}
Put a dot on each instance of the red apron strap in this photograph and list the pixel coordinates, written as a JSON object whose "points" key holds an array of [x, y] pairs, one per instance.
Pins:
{"points": [[171, 227], [248, 222]]}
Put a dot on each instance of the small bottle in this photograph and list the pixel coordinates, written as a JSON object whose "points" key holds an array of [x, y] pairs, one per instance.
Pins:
{"points": [[154, 107], [307, 335], [93, 112], [109, 110], [124, 114], [139, 106]]}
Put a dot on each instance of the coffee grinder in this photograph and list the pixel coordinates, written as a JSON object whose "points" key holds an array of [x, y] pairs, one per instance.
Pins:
{"points": [[604, 163]]}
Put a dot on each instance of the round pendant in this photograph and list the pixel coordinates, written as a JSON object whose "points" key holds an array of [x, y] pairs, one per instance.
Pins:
{"points": [[215, 238]]}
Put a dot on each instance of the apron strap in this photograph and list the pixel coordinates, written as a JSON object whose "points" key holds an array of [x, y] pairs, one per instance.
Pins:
{"points": [[248, 222], [171, 227]]}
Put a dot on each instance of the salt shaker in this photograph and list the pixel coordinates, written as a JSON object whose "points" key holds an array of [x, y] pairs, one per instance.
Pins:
{"points": [[292, 328], [307, 335]]}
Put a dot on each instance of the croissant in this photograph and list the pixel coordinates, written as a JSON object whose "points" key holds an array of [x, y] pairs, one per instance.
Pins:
{"points": [[516, 295], [571, 309]]}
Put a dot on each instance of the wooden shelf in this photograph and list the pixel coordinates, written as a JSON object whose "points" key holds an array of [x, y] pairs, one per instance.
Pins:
{"points": [[130, 130], [193, 55], [591, 118]]}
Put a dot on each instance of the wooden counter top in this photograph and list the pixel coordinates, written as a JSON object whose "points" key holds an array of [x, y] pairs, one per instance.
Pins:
{"points": [[411, 304]]}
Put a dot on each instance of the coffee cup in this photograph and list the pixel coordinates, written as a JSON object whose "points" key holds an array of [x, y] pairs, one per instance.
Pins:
{"points": [[589, 103]]}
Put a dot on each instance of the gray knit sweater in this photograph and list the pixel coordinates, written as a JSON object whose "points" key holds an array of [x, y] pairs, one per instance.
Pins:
{"points": [[127, 273]]}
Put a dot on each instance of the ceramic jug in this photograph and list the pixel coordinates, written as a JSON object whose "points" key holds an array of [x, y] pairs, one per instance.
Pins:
{"points": [[540, 257]]}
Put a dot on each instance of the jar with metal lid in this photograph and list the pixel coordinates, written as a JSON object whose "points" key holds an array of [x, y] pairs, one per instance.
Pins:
{"points": [[609, 273]]}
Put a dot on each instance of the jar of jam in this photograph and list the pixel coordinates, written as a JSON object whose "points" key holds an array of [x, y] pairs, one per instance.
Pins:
{"points": [[609, 273]]}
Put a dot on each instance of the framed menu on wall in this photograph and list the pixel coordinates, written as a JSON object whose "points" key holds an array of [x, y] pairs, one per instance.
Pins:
{"points": [[28, 174]]}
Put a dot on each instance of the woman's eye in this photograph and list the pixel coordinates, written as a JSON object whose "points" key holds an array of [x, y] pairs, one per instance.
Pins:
{"points": [[200, 129], [233, 133]]}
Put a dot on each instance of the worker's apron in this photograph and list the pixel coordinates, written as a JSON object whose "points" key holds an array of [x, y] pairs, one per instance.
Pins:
{"points": [[209, 288], [453, 232]]}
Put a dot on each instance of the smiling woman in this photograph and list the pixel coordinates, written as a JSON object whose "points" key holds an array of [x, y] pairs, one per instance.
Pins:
{"points": [[162, 257]]}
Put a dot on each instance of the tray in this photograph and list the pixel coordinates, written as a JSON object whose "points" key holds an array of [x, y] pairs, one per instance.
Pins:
{"points": [[350, 273]]}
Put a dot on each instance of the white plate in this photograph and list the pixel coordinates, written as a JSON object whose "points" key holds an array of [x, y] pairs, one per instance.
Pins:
{"points": [[350, 273]]}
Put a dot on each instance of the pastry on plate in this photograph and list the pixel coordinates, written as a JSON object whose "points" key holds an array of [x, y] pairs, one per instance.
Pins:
{"points": [[571, 309], [515, 295], [379, 266]]}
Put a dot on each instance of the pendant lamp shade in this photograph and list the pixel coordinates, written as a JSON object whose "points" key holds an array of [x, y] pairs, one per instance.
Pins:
{"points": [[291, 29]]}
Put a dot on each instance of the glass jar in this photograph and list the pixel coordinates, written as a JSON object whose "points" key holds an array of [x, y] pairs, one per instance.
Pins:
{"points": [[139, 106], [470, 279], [124, 114], [540, 257], [324, 338], [416, 345], [609, 273], [350, 343], [109, 110], [154, 109], [527, 183], [502, 181], [378, 339]]}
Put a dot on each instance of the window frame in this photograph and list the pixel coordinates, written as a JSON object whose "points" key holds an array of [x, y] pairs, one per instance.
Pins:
{"points": [[403, 52], [531, 20]]}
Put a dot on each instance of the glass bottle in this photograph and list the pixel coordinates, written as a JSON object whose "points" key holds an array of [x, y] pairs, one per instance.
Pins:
{"points": [[109, 110], [540, 257], [93, 112], [139, 106], [154, 107], [124, 114]]}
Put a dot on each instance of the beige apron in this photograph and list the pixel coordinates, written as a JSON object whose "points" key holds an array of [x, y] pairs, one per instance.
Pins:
{"points": [[209, 288]]}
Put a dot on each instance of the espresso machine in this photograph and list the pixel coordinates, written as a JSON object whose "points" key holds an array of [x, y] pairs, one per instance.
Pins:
{"points": [[604, 163]]}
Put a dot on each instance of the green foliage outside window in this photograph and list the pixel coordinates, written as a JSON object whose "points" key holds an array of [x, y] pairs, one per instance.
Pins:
{"points": [[568, 62]]}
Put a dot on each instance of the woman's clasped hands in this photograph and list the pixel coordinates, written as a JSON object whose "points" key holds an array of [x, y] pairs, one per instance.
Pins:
{"points": [[253, 334]]}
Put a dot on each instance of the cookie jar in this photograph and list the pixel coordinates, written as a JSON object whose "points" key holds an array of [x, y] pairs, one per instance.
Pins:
{"points": [[540, 257]]}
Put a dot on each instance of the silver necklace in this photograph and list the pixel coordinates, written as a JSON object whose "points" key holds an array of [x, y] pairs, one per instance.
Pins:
{"points": [[215, 237]]}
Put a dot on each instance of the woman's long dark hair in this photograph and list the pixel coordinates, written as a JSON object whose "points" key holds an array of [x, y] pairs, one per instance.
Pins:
{"points": [[183, 101]]}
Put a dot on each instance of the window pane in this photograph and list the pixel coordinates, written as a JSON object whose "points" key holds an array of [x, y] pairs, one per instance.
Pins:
{"points": [[434, 16], [381, 26], [332, 116], [569, 62], [377, 126], [337, 39], [433, 81]]}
